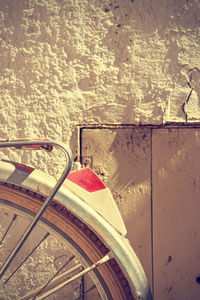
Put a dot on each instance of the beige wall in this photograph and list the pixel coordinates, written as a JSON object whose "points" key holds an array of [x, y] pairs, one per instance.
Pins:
{"points": [[71, 62], [65, 63]]}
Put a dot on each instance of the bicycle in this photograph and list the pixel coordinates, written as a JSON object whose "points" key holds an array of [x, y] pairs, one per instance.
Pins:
{"points": [[88, 241]]}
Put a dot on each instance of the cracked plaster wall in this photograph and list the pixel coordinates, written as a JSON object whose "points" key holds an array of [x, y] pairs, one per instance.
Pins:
{"points": [[73, 62]]}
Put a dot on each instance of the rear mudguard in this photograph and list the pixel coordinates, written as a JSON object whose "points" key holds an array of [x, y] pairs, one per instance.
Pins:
{"points": [[74, 196]]}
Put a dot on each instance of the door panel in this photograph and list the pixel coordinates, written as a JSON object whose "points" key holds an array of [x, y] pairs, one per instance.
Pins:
{"points": [[176, 213], [121, 157], [154, 175]]}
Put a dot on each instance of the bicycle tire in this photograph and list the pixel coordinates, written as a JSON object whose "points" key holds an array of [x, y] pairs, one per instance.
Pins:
{"points": [[58, 219], [64, 223]]}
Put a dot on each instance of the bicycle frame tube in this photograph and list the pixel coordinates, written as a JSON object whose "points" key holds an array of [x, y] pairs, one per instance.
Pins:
{"points": [[20, 144]]}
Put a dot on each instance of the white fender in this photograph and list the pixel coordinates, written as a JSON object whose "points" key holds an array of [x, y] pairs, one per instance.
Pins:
{"points": [[87, 185], [42, 183]]}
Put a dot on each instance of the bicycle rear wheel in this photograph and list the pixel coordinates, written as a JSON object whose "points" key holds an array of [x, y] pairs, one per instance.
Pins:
{"points": [[68, 238]]}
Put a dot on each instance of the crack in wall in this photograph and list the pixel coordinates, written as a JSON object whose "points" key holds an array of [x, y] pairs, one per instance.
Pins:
{"points": [[185, 103], [191, 71]]}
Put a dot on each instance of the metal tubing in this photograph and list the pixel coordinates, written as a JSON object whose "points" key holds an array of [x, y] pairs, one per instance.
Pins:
{"points": [[7, 230], [48, 199], [33, 250], [85, 271], [52, 283]]}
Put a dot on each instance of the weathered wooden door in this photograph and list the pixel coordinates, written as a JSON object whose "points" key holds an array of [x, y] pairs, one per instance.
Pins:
{"points": [[154, 175]]}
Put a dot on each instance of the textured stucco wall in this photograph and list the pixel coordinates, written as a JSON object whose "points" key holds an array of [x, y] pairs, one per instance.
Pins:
{"points": [[71, 62], [64, 63]]}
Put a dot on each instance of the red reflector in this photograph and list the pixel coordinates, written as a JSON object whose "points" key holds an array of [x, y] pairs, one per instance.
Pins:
{"points": [[86, 179]]}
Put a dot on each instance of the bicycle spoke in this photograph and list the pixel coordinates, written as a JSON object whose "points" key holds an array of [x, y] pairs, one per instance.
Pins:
{"points": [[86, 292], [76, 231], [56, 280], [47, 201], [34, 249], [9, 226], [51, 284], [85, 271], [70, 259], [82, 288]]}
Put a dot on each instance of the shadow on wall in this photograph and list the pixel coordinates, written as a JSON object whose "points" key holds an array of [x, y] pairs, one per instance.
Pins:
{"points": [[153, 39], [131, 152], [152, 16]]}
